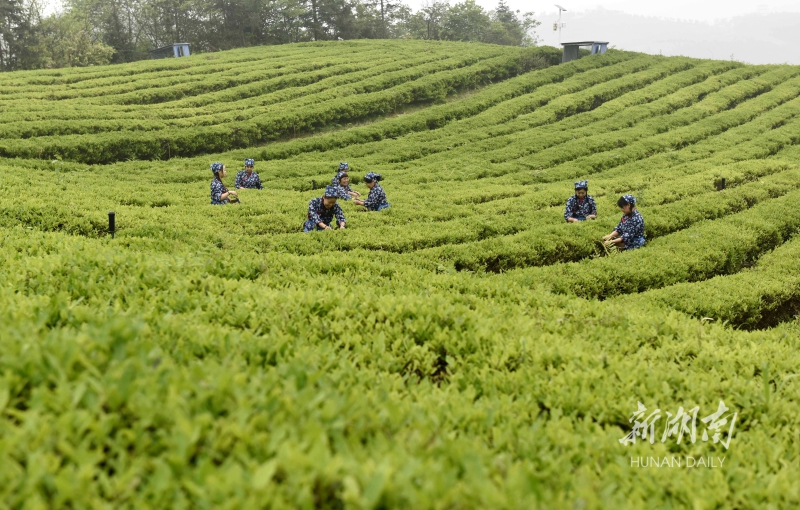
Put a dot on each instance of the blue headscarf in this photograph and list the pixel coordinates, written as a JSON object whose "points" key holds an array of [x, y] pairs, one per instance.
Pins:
{"points": [[629, 199], [343, 167], [216, 167], [582, 185], [372, 176], [336, 192], [249, 162]]}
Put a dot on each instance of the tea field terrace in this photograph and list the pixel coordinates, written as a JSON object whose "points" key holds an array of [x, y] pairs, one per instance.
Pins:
{"points": [[464, 348]]}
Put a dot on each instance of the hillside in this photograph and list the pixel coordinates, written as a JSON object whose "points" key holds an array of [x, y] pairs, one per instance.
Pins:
{"points": [[215, 102], [464, 348]]}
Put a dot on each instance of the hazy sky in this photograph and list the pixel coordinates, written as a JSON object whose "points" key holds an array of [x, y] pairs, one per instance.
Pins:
{"points": [[708, 10], [751, 31]]}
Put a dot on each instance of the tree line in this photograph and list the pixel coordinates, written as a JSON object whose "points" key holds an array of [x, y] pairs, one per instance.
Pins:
{"points": [[98, 32]]}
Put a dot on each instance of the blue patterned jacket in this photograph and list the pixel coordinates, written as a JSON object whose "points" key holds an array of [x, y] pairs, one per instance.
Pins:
{"points": [[317, 213], [376, 198], [577, 207], [217, 189], [253, 181], [631, 230]]}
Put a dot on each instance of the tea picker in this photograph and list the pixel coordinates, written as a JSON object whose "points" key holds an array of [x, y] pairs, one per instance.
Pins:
{"points": [[220, 194], [247, 178], [322, 210], [376, 200], [342, 180], [629, 234], [580, 206]]}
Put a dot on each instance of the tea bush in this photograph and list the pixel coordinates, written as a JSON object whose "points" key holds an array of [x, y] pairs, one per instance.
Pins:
{"points": [[465, 348]]}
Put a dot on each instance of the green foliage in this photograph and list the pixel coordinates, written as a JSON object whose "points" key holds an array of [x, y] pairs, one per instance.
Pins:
{"points": [[96, 32], [465, 348], [244, 105], [758, 297], [64, 41]]}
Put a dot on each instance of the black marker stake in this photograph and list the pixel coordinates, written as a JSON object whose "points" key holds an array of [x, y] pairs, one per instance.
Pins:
{"points": [[723, 183], [112, 223]]}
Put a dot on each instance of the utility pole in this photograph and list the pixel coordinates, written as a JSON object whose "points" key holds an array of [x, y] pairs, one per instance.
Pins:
{"points": [[558, 25]]}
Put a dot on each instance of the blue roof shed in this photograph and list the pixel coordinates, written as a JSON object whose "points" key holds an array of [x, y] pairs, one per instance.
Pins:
{"points": [[173, 50], [571, 49]]}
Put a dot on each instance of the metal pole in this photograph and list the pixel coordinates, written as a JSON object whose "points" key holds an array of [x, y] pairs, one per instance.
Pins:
{"points": [[560, 9], [559, 26]]}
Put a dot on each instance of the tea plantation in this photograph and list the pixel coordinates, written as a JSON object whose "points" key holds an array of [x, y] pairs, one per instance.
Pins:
{"points": [[465, 348]]}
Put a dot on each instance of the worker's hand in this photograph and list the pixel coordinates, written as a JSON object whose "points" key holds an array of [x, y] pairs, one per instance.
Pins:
{"points": [[572, 220], [591, 217], [233, 193], [327, 227], [606, 238], [341, 225]]}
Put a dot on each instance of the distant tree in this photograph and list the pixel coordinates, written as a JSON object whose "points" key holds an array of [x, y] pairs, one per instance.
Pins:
{"points": [[339, 19], [381, 19], [399, 13], [410, 24], [508, 29], [66, 41], [388, 11], [367, 24], [433, 15], [228, 23], [164, 22], [466, 21], [116, 23], [313, 22], [284, 23], [19, 43], [529, 24]]}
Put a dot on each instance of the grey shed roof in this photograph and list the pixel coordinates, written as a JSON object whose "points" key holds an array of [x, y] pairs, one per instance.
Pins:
{"points": [[583, 43], [169, 47]]}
